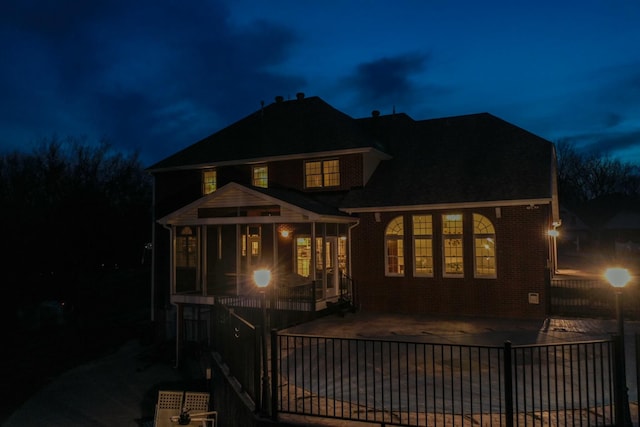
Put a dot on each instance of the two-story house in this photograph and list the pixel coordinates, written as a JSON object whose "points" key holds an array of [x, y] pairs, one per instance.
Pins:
{"points": [[441, 216]]}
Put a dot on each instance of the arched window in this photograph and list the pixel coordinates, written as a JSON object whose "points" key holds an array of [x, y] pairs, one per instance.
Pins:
{"points": [[394, 247], [484, 247]]}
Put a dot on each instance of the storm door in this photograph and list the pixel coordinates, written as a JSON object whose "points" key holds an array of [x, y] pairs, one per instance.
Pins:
{"points": [[327, 271], [251, 252]]}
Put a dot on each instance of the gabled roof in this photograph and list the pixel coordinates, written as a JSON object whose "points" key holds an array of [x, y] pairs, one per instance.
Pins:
{"points": [[294, 207], [463, 159], [300, 126]]}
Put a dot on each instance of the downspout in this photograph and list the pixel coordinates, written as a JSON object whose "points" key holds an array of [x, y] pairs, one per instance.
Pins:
{"points": [[153, 251], [351, 227]]}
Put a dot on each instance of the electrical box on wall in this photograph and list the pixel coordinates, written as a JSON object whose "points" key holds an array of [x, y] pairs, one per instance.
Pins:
{"points": [[534, 298]]}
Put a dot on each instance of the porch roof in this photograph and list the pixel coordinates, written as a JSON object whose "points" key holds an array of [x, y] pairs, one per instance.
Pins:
{"points": [[294, 207]]}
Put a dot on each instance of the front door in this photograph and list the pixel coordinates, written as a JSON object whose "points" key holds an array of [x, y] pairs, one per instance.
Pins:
{"points": [[327, 267], [251, 256]]}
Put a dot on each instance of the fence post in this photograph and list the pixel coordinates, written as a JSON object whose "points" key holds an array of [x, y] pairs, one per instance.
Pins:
{"points": [[636, 360], [257, 367], [275, 379], [508, 384]]}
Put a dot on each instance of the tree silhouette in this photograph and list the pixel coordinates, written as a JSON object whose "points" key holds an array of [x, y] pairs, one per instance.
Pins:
{"points": [[69, 211]]}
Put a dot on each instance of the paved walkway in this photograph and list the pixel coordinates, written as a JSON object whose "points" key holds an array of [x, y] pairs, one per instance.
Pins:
{"points": [[121, 389]]}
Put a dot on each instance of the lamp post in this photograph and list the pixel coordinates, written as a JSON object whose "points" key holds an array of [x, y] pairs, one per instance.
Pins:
{"points": [[262, 278], [618, 278]]}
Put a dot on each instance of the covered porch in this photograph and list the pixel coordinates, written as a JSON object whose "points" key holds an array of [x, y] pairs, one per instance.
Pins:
{"points": [[219, 241]]}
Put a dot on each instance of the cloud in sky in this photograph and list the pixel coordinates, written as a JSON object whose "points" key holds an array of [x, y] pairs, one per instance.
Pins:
{"points": [[156, 76]]}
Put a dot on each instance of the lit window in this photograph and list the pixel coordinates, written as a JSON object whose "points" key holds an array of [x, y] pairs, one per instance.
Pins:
{"points": [[303, 256], [423, 245], [452, 245], [394, 247], [209, 181], [260, 176], [484, 247], [322, 173]]}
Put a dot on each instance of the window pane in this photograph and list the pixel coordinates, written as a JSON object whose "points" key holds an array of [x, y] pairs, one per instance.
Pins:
{"points": [[482, 225], [484, 247], [260, 176], [452, 247], [331, 170], [209, 181], [453, 260], [303, 256], [424, 257], [313, 174], [485, 257], [395, 227], [452, 224], [186, 251], [422, 225], [423, 245], [395, 256], [394, 247]]}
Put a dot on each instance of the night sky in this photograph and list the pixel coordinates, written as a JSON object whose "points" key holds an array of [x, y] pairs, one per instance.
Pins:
{"points": [[155, 76]]}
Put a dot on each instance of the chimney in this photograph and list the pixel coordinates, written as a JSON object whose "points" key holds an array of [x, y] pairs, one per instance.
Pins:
{"points": [[279, 98], [300, 96]]}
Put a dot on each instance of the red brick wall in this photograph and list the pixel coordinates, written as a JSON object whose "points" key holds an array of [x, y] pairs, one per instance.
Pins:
{"points": [[521, 256]]}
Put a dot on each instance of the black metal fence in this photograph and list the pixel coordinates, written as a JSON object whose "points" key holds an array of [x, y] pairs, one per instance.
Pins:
{"points": [[411, 383], [589, 297], [238, 343]]}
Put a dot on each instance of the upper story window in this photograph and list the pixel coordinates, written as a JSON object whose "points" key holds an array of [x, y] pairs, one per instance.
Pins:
{"points": [[209, 181], [322, 173], [260, 176], [394, 247], [484, 250], [452, 250], [423, 245]]}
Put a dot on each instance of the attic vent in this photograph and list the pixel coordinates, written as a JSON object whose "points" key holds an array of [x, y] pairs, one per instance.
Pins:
{"points": [[300, 95], [279, 98], [375, 113]]}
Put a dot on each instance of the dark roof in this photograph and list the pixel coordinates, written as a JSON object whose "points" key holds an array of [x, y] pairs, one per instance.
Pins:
{"points": [[470, 158], [304, 125]]}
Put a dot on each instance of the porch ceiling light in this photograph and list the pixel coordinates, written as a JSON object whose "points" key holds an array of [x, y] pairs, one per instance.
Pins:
{"points": [[262, 277], [617, 277]]}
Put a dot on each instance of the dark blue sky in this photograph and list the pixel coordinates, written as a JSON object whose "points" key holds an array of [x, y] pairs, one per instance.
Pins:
{"points": [[158, 75]]}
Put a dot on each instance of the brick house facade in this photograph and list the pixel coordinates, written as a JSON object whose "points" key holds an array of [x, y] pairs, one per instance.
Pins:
{"points": [[440, 216]]}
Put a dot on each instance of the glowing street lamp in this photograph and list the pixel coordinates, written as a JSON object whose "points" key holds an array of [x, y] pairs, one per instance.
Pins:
{"points": [[618, 278], [262, 278]]}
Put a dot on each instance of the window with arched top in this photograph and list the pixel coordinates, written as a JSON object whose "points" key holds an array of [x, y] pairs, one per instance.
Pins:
{"points": [[484, 247], [394, 247]]}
